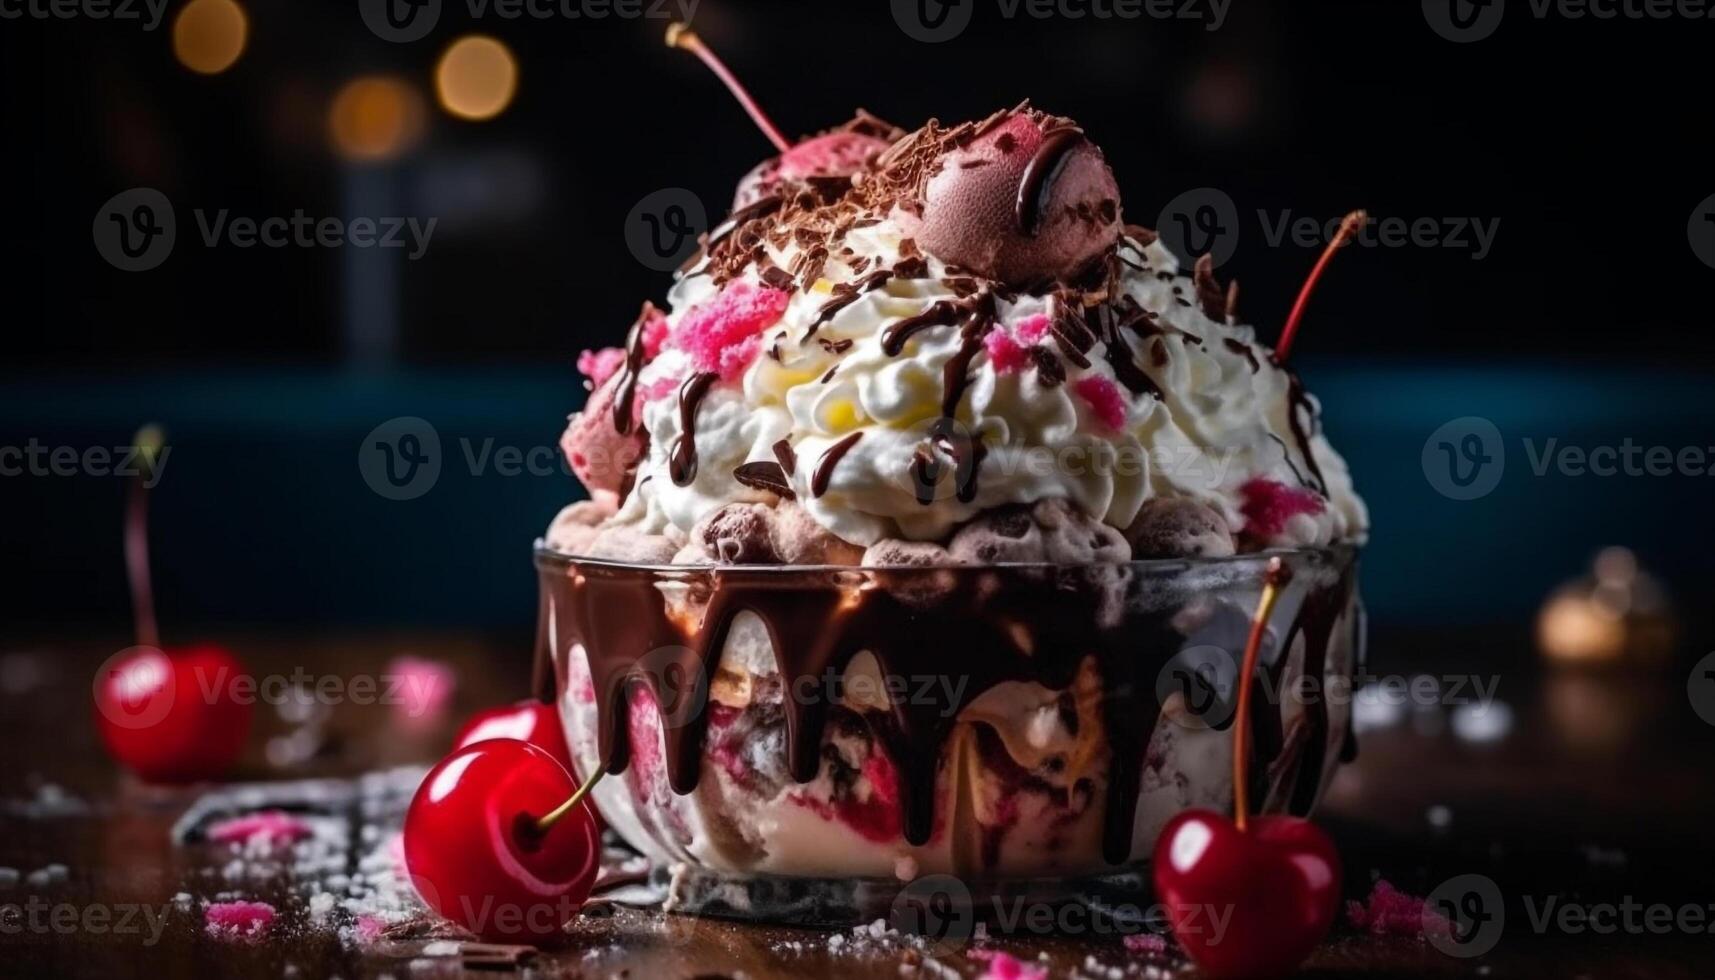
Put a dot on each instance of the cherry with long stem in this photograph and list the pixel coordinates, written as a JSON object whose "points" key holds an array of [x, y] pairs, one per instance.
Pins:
{"points": [[147, 443], [1348, 231], [1275, 578], [680, 35], [554, 816]]}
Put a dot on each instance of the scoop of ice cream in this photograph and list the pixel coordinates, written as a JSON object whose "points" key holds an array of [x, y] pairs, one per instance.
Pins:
{"points": [[1049, 531], [837, 154], [599, 454], [1179, 527], [1030, 200]]}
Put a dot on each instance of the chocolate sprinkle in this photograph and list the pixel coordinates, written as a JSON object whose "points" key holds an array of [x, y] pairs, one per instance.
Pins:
{"points": [[765, 475]]}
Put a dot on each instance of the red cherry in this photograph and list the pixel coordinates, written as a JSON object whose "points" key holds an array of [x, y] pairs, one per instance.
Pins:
{"points": [[172, 717], [527, 721], [474, 851], [836, 154], [1247, 903]]}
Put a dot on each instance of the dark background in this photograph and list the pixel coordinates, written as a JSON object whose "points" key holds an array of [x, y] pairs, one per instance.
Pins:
{"points": [[1589, 322]]}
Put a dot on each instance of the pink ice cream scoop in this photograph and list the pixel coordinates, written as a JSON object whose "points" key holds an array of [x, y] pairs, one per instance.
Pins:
{"points": [[599, 454], [839, 154], [1030, 199]]}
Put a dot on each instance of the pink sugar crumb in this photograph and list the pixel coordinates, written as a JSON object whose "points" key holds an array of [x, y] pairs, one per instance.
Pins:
{"points": [[238, 921], [1391, 912], [599, 365], [1144, 944], [370, 928], [1004, 352], [265, 827], [720, 334], [1005, 966], [655, 331], [1104, 399], [1268, 505], [659, 388], [1031, 330]]}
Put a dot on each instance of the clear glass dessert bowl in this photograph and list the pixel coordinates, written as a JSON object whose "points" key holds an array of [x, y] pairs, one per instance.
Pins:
{"points": [[766, 727]]}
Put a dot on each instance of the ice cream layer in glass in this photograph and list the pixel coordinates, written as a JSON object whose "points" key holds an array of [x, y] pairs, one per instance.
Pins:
{"points": [[925, 524]]}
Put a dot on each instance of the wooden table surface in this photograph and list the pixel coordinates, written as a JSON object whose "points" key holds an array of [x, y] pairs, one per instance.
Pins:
{"points": [[1598, 790]]}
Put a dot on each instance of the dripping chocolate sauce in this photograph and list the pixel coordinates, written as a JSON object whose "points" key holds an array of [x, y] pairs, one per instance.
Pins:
{"points": [[620, 618], [827, 310], [941, 313], [682, 463], [627, 392]]}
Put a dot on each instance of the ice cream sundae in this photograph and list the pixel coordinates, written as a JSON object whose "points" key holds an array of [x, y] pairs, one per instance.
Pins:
{"points": [[904, 501]]}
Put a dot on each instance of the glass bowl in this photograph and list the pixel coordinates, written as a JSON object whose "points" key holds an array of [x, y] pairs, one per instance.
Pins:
{"points": [[810, 740]]}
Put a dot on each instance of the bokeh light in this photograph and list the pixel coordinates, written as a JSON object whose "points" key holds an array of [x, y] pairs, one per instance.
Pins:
{"points": [[209, 35], [476, 78], [375, 118]]}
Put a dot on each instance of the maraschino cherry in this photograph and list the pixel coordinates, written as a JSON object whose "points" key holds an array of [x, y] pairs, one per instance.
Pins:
{"points": [[530, 720], [1276, 878], [169, 716], [837, 154], [499, 840]]}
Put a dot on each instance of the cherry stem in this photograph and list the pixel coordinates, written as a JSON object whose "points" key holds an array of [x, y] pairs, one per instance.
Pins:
{"points": [[1348, 231], [547, 822], [1274, 577], [680, 35], [148, 443]]}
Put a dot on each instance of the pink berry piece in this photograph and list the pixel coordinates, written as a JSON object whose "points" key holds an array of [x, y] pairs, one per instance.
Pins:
{"points": [[1103, 397], [599, 365], [1032, 330], [238, 921], [1145, 944], [723, 334], [1005, 354], [1390, 912], [655, 332], [264, 828], [1269, 504], [1005, 966]]}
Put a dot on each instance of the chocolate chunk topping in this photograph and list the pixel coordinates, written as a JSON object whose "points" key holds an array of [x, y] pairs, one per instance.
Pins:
{"points": [[764, 475]]}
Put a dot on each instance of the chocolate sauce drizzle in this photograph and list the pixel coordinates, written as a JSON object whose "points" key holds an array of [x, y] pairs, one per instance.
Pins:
{"points": [[634, 352], [682, 464], [856, 290], [818, 620], [941, 313], [1298, 401], [1039, 176], [831, 457]]}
